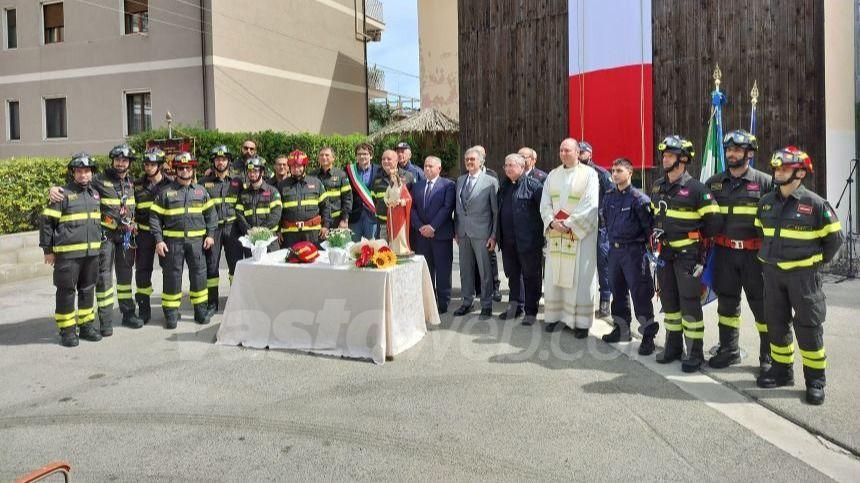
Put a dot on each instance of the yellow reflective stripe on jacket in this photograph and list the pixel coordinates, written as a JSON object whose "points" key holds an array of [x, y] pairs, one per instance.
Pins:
{"points": [[141, 226], [345, 189], [81, 216], [184, 234], [275, 204], [296, 229], [806, 262], [803, 235], [77, 247], [683, 243], [144, 205], [290, 204], [178, 211], [52, 213], [738, 210], [683, 215], [336, 214], [708, 209], [117, 201], [310, 202], [260, 211]]}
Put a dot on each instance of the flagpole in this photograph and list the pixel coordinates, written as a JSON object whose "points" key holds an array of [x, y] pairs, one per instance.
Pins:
{"points": [[754, 101]]}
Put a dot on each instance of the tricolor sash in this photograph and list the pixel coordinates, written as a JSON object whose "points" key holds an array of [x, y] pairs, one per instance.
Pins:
{"points": [[363, 191]]}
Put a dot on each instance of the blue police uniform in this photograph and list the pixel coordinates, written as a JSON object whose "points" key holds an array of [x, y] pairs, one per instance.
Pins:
{"points": [[603, 279], [629, 219]]}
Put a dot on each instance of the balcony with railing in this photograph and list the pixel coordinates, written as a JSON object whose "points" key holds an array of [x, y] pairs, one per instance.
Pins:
{"points": [[376, 83], [375, 20]]}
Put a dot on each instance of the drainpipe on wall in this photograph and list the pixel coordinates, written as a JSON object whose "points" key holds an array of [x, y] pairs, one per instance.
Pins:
{"points": [[366, 70], [203, 64]]}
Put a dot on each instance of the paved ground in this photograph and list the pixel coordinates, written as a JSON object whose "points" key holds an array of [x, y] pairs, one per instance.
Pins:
{"points": [[474, 400]]}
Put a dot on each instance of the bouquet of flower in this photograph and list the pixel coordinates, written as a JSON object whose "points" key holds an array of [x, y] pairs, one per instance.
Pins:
{"points": [[373, 254], [258, 240], [339, 238]]}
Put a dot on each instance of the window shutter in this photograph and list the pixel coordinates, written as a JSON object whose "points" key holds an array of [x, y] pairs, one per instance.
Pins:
{"points": [[53, 15]]}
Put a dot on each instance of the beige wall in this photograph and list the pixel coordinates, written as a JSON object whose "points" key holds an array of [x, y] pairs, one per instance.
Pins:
{"points": [[95, 109], [437, 32], [839, 45], [290, 65], [93, 67]]}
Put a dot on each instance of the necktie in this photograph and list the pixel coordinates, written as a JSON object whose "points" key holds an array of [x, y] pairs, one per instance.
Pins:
{"points": [[467, 189], [427, 192]]}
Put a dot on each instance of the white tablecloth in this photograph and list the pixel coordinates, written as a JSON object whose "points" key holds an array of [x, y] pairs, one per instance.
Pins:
{"points": [[343, 311]]}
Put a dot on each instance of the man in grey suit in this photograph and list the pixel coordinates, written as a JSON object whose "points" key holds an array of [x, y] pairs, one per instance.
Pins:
{"points": [[476, 220]]}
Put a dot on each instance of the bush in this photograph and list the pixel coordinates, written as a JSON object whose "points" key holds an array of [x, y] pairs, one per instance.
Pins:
{"points": [[24, 182]]}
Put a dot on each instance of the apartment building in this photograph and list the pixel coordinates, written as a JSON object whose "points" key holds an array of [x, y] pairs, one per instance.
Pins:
{"points": [[84, 74]]}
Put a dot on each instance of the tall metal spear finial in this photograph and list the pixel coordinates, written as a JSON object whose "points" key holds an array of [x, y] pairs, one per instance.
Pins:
{"points": [[717, 76], [754, 93]]}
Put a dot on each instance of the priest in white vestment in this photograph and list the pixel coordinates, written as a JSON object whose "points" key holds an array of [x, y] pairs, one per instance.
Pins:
{"points": [[569, 207]]}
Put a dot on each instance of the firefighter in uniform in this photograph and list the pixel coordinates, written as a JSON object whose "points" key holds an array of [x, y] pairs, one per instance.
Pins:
{"points": [[685, 214], [259, 203], [183, 221], [738, 191], [628, 217], [117, 203], [586, 154], [305, 215], [224, 191], [146, 190], [70, 237], [800, 231], [338, 192]]}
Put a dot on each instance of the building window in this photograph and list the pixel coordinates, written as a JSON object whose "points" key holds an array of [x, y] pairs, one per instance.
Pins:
{"points": [[13, 121], [52, 17], [10, 28], [138, 109], [55, 118], [136, 15]]}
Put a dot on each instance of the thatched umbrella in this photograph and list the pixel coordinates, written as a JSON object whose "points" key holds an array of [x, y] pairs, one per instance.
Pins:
{"points": [[426, 124]]}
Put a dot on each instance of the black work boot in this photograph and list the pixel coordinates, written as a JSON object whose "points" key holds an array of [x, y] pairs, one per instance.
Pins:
{"points": [[201, 314], [764, 360], [144, 310], [211, 309], [89, 332], [815, 395], [69, 336], [729, 354], [695, 355], [621, 332], [646, 348], [131, 320], [779, 375], [171, 318], [674, 349], [106, 327]]}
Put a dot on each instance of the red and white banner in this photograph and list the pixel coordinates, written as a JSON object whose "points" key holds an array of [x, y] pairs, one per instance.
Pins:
{"points": [[610, 78]]}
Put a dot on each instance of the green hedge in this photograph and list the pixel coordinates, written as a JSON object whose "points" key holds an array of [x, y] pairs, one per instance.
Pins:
{"points": [[24, 182]]}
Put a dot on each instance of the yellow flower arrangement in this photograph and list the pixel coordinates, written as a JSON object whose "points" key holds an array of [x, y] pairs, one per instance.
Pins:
{"points": [[384, 258]]}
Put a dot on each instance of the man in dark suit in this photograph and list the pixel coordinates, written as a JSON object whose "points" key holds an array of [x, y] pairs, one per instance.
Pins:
{"points": [[362, 217], [530, 157], [520, 234], [475, 220], [432, 221]]}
